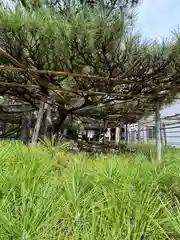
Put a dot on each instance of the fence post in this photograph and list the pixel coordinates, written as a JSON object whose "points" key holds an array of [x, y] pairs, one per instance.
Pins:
{"points": [[139, 131], [164, 134], [117, 135], [38, 123], [161, 133], [144, 134], [158, 132], [126, 133]]}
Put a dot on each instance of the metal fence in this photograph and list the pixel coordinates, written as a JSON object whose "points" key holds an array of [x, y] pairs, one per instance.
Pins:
{"points": [[145, 131]]}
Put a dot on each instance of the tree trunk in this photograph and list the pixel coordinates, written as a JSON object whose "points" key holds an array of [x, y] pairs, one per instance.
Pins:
{"points": [[164, 134], [104, 125], [24, 134], [38, 123], [46, 126], [57, 125]]}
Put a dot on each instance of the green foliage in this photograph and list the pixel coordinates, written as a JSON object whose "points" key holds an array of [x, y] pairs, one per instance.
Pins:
{"points": [[106, 197], [54, 144], [89, 41], [72, 42]]}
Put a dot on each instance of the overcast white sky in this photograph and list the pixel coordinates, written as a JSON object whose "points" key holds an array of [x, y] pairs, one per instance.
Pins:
{"points": [[157, 19]]}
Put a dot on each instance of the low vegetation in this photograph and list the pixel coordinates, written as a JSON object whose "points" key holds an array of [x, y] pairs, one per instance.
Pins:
{"points": [[90, 198]]}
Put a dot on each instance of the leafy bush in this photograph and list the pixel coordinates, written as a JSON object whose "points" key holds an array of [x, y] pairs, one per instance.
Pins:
{"points": [[55, 144]]}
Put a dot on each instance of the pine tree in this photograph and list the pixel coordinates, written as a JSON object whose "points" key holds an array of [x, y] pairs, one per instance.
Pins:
{"points": [[84, 41]]}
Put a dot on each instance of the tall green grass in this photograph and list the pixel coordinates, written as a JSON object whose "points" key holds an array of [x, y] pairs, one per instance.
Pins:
{"points": [[91, 198]]}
